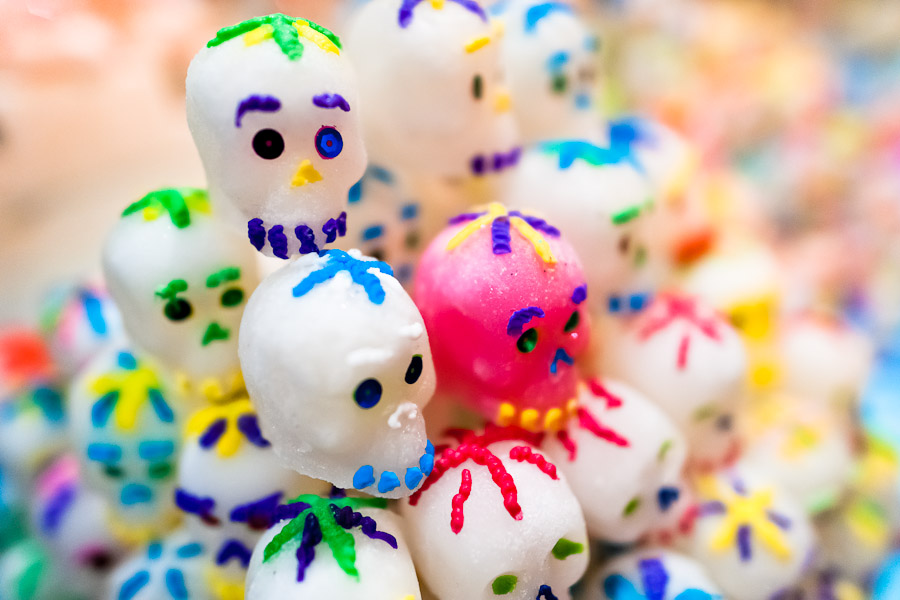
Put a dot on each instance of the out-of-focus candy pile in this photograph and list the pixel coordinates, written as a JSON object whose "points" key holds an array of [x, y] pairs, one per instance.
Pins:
{"points": [[455, 317]]}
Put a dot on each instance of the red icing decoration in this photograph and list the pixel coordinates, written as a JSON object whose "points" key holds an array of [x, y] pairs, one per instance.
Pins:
{"points": [[587, 421], [24, 357], [567, 443], [680, 308], [525, 454], [598, 390], [456, 512], [683, 349]]}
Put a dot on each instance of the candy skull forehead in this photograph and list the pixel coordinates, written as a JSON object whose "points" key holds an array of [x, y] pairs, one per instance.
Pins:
{"points": [[550, 56], [181, 279], [430, 77], [496, 519], [336, 360], [272, 106], [501, 293], [599, 201], [175, 567], [349, 548]]}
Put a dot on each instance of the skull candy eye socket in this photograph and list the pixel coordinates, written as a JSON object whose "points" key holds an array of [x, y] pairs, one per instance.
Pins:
{"points": [[477, 87], [113, 471], [329, 142], [178, 309], [232, 297], [527, 341], [414, 370], [268, 144], [159, 470], [572, 323], [368, 393], [559, 83]]}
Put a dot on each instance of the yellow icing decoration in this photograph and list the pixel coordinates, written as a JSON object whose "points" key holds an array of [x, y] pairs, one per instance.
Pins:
{"points": [[553, 420], [803, 439], [502, 102], [867, 521], [224, 587], [495, 210], [537, 240], [437, 4], [741, 511], [844, 590], [529, 419], [230, 441], [306, 173], [316, 37], [261, 33], [506, 414], [532, 419], [477, 44], [140, 534], [133, 387]]}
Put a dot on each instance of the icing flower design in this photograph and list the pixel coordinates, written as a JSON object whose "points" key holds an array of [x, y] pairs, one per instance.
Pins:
{"points": [[224, 427], [124, 393]]}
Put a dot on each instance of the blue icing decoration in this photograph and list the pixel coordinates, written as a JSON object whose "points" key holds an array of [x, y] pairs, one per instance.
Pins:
{"points": [[93, 309], [413, 477], [409, 211], [355, 193], [338, 261], [105, 453], [426, 463], [154, 550], [388, 482], [372, 232], [536, 13], [133, 585], [189, 550], [127, 361], [364, 477], [175, 584]]}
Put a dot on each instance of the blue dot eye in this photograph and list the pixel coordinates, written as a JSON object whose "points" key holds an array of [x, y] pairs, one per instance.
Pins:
{"points": [[329, 142], [367, 393]]}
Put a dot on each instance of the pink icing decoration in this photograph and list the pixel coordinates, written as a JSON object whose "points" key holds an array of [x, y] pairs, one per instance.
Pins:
{"points": [[62, 472]]}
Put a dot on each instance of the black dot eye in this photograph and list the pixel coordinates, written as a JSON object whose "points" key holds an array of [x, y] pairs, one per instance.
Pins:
{"points": [[268, 144], [724, 423], [178, 309], [329, 142], [113, 471], [572, 323], [624, 244], [367, 393], [412, 240], [527, 341], [560, 83], [99, 560], [477, 87], [414, 370], [232, 297]]}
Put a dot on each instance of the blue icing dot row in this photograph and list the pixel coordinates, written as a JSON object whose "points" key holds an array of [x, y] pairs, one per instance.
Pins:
{"points": [[365, 475]]}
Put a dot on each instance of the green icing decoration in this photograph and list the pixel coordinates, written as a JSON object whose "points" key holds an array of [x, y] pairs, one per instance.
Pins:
{"points": [[283, 33], [171, 289], [663, 450], [631, 506], [624, 216], [226, 274], [504, 584], [177, 202], [565, 548], [339, 540]]}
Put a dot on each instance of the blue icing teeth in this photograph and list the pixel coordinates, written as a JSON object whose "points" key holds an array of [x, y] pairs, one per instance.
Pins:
{"points": [[413, 477], [426, 463], [388, 482], [364, 477], [429, 447]]}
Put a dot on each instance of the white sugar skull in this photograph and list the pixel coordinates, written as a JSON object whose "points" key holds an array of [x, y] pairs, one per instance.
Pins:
{"points": [[79, 321], [599, 202], [174, 568], [617, 426], [181, 279], [384, 221], [125, 423], [430, 77], [272, 105], [29, 572], [656, 573], [550, 60], [753, 539], [337, 363], [496, 519], [230, 484], [32, 429], [72, 520], [348, 548], [689, 361]]}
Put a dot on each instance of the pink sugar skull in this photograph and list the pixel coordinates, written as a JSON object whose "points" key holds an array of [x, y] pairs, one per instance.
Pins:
{"points": [[501, 294]]}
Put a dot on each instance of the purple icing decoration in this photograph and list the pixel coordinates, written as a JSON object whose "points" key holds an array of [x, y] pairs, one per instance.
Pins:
{"points": [[257, 233], [545, 592], [500, 236], [56, 508], [307, 239], [234, 549], [743, 541], [739, 486], [522, 316], [331, 101], [249, 426], [537, 223], [347, 518], [212, 434], [195, 505], [312, 535], [254, 102], [780, 520], [290, 511], [257, 514], [463, 218], [711, 508], [405, 15], [278, 241], [334, 228], [477, 165], [580, 294], [654, 577]]}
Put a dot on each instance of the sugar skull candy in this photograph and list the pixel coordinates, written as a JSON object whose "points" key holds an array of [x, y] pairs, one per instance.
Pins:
{"points": [[181, 279], [616, 425], [384, 221], [690, 362], [502, 296], [753, 539], [430, 77], [173, 568], [550, 58], [125, 424], [79, 321], [496, 519], [72, 520], [32, 429], [599, 201], [29, 572], [230, 484], [272, 105], [347, 410], [335, 547], [655, 573]]}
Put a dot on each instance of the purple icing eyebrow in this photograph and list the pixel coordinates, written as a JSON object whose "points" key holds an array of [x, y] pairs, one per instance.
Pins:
{"points": [[522, 316], [331, 101], [256, 102], [580, 294], [405, 15]]}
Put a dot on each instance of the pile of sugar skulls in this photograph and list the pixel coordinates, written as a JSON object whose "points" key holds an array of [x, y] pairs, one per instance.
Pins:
{"points": [[504, 384]]}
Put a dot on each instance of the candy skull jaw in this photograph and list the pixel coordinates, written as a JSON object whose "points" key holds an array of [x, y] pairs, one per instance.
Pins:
{"points": [[356, 401], [182, 302], [279, 134]]}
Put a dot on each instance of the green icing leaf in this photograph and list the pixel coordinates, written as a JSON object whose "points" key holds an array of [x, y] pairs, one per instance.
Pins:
{"points": [[283, 33], [565, 548], [504, 584]]}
